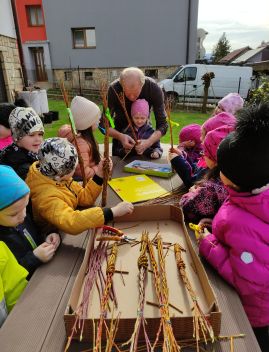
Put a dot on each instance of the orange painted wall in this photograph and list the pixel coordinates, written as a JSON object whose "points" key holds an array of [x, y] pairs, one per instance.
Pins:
{"points": [[29, 33]]}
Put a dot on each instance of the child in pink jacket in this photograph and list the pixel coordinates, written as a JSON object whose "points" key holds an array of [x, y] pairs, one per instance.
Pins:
{"points": [[238, 246], [86, 116]]}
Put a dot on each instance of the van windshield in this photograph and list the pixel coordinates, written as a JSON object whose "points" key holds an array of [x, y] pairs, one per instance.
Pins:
{"points": [[174, 73]]}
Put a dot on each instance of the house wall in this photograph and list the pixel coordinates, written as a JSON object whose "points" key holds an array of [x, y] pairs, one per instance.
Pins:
{"points": [[28, 33], [144, 33], [7, 27]]}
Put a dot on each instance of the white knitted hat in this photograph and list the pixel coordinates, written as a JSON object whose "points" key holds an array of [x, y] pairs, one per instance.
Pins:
{"points": [[85, 113]]}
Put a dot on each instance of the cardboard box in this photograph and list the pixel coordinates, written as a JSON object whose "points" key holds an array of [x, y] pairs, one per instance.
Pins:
{"points": [[168, 220], [149, 168]]}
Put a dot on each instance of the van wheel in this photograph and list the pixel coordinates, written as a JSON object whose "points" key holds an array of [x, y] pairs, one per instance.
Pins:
{"points": [[172, 98]]}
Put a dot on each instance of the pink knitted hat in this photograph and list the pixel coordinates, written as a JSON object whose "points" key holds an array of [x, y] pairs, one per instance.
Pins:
{"points": [[213, 139], [191, 133], [140, 106], [218, 120], [231, 103]]}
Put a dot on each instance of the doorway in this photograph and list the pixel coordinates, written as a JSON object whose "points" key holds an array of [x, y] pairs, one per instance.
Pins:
{"points": [[40, 69]]}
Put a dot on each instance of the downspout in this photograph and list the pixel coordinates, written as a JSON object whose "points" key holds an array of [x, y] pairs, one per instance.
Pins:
{"points": [[24, 73], [188, 32]]}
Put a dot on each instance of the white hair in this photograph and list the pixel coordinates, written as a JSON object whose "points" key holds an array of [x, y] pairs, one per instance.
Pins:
{"points": [[130, 73]]}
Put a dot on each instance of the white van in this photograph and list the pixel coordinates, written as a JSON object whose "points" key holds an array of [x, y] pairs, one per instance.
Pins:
{"points": [[186, 82]]}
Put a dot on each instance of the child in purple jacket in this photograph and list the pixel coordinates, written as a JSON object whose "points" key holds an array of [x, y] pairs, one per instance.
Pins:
{"points": [[207, 195], [143, 130], [190, 142], [238, 246]]}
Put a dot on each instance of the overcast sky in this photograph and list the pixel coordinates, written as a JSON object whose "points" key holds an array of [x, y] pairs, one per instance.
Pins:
{"points": [[244, 22]]}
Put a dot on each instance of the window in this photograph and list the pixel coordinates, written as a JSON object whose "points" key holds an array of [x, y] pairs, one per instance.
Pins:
{"points": [[67, 75], [84, 38], [88, 76], [34, 15], [188, 74], [153, 73]]}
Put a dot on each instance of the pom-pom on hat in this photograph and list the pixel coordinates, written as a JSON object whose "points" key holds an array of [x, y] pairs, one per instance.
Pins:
{"points": [[243, 156], [12, 187], [85, 113], [141, 107], [231, 103], [5, 110], [223, 118], [24, 121], [57, 157], [213, 139], [191, 132]]}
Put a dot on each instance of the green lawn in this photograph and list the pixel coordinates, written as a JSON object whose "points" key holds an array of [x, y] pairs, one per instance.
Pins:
{"points": [[183, 118]]}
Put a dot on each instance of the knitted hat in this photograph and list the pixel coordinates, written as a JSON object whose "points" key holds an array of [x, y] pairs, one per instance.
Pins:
{"points": [[24, 121], [57, 157], [191, 133], [243, 157], [12, 187], [85, 113], [218, 120], [213, 139], [5, 110], [140, 106], [231, 103]]}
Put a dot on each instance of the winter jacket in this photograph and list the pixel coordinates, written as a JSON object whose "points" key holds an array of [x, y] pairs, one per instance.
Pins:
{"points": [[189, 173], [85, 150], [193, 154], [18, 158], [239, 249], [12, 281], [204, 201], [22, 240], [55, 203], [143, 132]]}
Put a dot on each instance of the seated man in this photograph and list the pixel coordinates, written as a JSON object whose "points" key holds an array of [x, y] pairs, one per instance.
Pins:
{"points": [[134, 85]]}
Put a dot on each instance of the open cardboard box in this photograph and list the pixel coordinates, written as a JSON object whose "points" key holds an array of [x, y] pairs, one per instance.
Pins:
{"points": [[168, 220]]}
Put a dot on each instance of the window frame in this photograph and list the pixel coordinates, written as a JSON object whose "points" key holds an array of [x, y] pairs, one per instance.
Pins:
{"points": [[28, 15], [84, 29]]}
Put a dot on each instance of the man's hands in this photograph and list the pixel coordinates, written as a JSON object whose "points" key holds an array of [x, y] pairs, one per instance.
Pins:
{"points": [[127, 142]]}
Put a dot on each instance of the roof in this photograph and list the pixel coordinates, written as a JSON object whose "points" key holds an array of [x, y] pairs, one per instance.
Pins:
{"points": [[246, 56], [233, 55]]}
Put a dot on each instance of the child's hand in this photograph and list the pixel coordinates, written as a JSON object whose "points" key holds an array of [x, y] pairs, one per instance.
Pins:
{"points": [[53, 238], [122, 208], [44, 252], [171, 155], [100, 167]]}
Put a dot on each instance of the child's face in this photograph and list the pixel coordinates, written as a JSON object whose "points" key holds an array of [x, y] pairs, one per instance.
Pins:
{"points": [[4, 132], [31, 141], [14, 214], [139, 120]]}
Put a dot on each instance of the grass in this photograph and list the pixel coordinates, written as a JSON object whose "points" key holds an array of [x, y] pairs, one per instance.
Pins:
{"points": [[182, 117]]}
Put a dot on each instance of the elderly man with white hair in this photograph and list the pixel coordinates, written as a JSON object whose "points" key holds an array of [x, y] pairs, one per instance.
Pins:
{"points": [[133, 83]]}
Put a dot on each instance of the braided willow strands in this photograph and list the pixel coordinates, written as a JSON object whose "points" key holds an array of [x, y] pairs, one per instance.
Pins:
{"points": [[200, 322], [96, 260], [169, 344], [142, 264], [104, 302], [121, 100]]}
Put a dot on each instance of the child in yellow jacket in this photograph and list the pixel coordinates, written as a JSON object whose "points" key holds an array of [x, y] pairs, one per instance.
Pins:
{"points": [[56, 196]]}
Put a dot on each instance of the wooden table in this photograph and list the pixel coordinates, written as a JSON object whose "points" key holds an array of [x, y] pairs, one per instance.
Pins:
{"points": [[36, 323]]}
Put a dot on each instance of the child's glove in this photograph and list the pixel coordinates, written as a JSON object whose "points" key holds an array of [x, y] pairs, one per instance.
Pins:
{"points": [[122, 208]]}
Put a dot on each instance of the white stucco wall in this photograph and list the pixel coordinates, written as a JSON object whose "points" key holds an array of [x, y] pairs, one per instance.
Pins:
{"points": [[7, 27]]}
